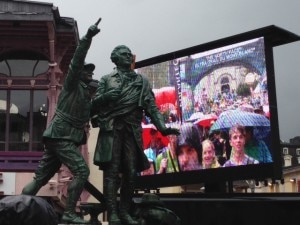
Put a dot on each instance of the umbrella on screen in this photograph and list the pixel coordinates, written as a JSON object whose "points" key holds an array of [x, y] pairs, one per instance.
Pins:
{"points": [[230, 118], [166, 99], [195, 116], [206, 120], [148, 130], [165, 95]]}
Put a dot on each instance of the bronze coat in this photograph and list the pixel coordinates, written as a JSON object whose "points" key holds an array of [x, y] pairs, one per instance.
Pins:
{"points": [[137, 97]]}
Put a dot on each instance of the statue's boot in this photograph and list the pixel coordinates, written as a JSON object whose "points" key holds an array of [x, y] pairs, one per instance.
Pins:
{"points": [[74, 190], [113, 218], [126, 195], [31, 188], [110, 193], [72, 218]]}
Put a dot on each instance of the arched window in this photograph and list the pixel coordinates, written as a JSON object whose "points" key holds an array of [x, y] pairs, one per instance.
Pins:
{"points": [[23, 67], [23, 105]]}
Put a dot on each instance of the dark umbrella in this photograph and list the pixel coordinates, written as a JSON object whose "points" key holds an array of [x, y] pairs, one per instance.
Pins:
{"points": [[26, 210]]}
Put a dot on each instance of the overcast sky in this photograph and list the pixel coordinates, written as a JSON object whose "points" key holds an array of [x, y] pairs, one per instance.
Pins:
{"points": [[155, 27]]}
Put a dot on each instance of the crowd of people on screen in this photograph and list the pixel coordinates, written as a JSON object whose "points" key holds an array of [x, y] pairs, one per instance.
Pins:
{"points": [[192, 150]]}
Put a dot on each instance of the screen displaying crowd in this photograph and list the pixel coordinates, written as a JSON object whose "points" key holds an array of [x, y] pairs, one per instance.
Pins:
{"points": [[219, 101]]}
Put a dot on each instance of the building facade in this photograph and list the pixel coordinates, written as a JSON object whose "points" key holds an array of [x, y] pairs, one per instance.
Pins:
{"points": [[37, 45]]}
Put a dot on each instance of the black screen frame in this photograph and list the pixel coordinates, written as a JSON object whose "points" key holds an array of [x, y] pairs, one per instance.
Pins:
{"points": [[273, 36]]}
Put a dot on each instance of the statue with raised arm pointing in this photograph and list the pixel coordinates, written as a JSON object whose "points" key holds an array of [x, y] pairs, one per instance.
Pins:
{"points": [[66, 131]]}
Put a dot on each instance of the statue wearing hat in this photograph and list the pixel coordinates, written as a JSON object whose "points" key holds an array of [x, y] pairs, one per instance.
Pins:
{"points": [[66, 131]]}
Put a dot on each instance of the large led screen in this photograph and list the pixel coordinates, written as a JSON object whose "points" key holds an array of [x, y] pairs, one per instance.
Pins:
{"points": [[219, 99]]}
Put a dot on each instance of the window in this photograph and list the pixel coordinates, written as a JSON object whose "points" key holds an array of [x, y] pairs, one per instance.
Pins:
{"points": [[297, 151], [23, 109], [3, 106], [23, 119], [23, 67], [285, 151], [287, 160]]}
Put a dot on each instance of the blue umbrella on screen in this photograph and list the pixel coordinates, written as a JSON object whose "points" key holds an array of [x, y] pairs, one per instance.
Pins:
{"points": [[230, 118]]}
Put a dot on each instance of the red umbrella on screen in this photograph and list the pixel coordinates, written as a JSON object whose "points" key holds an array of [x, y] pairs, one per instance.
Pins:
{"points": [[206, 120], [150, 133], [166, 100], [165, 95]]}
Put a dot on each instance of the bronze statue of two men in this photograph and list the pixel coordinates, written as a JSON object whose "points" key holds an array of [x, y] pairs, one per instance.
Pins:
{"points": [[120, 101]]}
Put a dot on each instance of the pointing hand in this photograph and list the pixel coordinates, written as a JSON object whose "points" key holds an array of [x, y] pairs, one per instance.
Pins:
{"points": [[93, 30]]}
